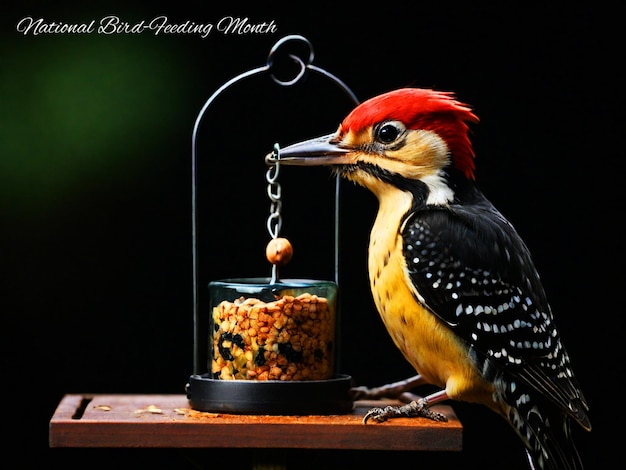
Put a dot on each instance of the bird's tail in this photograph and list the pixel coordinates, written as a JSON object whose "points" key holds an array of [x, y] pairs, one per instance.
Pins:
{"points": [[547, 435]]}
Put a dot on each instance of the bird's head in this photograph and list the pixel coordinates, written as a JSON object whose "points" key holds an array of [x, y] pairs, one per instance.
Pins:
{"points": [[400, 136]]}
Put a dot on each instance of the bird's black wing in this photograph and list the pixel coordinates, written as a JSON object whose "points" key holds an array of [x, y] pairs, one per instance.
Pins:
{"points": [[474, 272]]}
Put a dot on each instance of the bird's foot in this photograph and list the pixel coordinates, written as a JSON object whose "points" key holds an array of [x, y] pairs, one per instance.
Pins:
{"points": [[415, 408]]}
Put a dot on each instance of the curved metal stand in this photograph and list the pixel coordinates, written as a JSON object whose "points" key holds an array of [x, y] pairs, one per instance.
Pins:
{"points": [[305, 65]]}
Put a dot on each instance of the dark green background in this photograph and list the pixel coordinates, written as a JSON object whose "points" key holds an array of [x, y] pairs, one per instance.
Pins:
{"points": [[95, 144]]}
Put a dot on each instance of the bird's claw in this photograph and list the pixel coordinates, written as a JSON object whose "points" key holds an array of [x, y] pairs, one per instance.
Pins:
{"points": [[410, 410], [379, 414]]}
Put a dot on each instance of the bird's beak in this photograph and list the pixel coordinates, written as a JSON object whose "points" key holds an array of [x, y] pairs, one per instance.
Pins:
{"points": [[314, 152]]}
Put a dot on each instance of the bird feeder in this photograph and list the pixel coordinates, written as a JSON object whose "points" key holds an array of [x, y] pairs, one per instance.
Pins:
{"points": [[272, 344]]}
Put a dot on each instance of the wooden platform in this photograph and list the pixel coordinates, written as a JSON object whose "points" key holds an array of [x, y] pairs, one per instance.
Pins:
{"points": [[166, 421]]}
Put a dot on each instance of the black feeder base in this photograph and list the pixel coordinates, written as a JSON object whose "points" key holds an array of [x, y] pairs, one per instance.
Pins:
{"points": [[272, 397]]}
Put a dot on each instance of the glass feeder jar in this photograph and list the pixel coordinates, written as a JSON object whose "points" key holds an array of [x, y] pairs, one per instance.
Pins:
{"points": [[283, 331], [272, 349]]}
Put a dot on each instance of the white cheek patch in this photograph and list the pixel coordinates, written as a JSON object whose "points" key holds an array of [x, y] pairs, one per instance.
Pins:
{"points": [[440, 194]]}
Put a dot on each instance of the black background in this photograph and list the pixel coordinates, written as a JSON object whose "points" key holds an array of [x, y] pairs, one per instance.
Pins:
{"points": [[96, 196]]}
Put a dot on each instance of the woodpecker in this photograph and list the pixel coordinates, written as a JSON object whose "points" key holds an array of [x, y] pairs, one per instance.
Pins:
{"points": [[452, 280]]}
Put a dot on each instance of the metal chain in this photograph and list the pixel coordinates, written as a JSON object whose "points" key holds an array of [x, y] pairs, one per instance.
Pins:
{"points": [[274, 220]]}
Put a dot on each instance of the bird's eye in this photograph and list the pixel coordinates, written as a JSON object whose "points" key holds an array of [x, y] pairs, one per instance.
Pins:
{"points": [[388, 132]]}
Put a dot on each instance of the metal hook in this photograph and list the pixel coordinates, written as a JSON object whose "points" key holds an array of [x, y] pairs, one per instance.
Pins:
{"points": [[299, 75], [293, 37], [303, 65]]}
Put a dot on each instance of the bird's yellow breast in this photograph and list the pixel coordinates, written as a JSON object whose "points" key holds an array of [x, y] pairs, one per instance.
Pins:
{"points": [[426, 342]]}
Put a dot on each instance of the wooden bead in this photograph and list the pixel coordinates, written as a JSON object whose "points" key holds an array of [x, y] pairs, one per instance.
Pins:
{"points": [[279, 251]]}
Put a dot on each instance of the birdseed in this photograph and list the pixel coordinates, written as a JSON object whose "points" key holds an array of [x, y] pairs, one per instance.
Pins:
{"points": [[287, 339]]}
